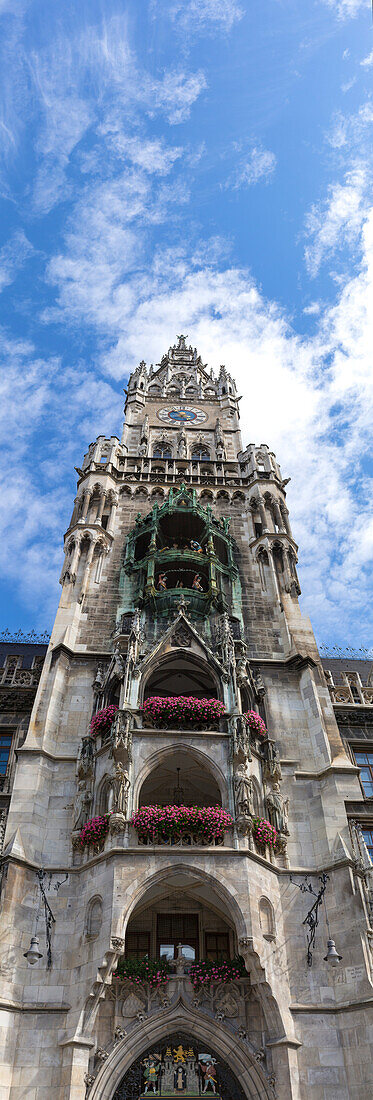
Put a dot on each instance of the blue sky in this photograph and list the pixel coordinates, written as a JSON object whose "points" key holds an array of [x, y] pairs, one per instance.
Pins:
{"points": [[197, 166]]}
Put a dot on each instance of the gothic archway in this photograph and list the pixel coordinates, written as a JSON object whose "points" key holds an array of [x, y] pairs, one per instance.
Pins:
{"points": [[197, 771], [181, 674], [179, 1060], [237, 1062]]}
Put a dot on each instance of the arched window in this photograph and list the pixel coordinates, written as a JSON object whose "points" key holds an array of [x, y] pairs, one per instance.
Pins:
{"points": [[201, 453], [267, 919], [93, 919], [162, 450]]}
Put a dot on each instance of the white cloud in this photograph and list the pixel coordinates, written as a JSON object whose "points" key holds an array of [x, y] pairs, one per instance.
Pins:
{"points": [[367, 61], [201, 15], [258, 165], [13, 256], [313, 309], [346, 9], [338, 221]]}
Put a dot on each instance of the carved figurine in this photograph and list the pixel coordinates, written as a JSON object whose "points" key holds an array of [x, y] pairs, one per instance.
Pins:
{"points": [[162, 582], [243, 790], [82, 804], [277, 809], [196, 546], [209, 1073], [85, 763], [151, 1073], [271, 765], [120, 785], [197, 583]]}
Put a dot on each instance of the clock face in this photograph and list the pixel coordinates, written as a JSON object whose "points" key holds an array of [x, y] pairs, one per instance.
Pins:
{"points": [[180, 414]]}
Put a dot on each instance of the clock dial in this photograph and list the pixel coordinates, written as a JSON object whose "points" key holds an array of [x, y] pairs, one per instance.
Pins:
{"points": [[180, 414]]}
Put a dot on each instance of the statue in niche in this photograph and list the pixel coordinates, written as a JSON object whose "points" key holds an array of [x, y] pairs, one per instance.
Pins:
{"points": [[162, 582], [243, 790], [121, 735], [182, 445], [119, 790], [271, 764], [85, 763], [260, 687], [277, 809], [82, 804]]}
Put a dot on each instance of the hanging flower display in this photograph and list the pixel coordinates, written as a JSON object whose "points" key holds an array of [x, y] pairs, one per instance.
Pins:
{"points": [[255, 723], [153, 971], [93, 832], [263, 832], [182, 710], [204, 971], [102, 721], [159, 824]]}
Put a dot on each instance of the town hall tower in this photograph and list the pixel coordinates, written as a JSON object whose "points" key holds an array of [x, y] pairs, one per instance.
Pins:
{"points": [[178, 847]]}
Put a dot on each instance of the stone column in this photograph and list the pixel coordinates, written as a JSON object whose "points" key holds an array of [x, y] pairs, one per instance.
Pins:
{"points": [[263, 514], [112, 516], [101, 506], [285, 520], [277, 515], [75, 559], [87, 569], [86, 503]]}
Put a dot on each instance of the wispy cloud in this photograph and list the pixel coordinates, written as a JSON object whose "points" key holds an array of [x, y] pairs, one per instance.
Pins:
{"points": [[254, 166], [367, 62], [13, 256], [201, 15], [336, 222], [345, 9]]}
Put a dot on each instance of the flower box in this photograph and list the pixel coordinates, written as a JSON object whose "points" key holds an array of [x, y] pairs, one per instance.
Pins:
{"points": [[182, 710], [263, 832], [204, 971], [93, 833], [160, 824], [153, 971], [102, 721], [255, 723]]}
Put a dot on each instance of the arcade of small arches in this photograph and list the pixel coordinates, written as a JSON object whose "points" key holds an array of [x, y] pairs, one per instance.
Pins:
{"points": [[181, 546]]}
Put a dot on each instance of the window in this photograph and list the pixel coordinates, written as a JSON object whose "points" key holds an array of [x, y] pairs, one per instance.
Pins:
{"points": [[217, 946], [103, 458], [364, 761], [162, 450], [368, 837], [201, 454], [175, 928], [137, 945], [5, 746]]}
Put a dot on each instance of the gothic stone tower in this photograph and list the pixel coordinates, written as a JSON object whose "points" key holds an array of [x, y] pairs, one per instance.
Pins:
{"points": [[180, 581]]}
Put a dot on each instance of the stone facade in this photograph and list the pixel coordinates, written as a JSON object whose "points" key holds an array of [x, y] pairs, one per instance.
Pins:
{"points": [[180, 580]]}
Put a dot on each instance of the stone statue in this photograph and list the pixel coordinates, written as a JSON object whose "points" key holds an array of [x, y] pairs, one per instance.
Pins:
{"points": [[82, 804], [120, 785], [243, 789], [271, 764], [85, 763], [182, 446], [277, 809], [260, 687]]}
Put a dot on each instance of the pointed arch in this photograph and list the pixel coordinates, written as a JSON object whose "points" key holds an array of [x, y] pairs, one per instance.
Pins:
{"points": [[207, 1031], [161, 755]]}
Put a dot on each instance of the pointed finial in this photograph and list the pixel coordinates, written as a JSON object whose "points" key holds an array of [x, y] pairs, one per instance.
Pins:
{"points": [[181, 342]]}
